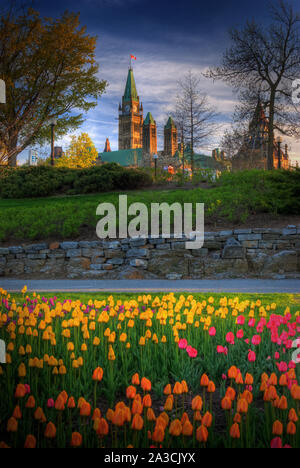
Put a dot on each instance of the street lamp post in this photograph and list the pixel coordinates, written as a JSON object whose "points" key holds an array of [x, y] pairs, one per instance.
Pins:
{"points": [[155, 157], [279, 141], [53, 122]]}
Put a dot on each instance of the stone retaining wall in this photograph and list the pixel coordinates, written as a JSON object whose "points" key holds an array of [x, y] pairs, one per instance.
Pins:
{"points": [[253, 253]]}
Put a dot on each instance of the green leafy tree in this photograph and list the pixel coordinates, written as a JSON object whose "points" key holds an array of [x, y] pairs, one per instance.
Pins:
{"points": [[81, 153], [50, 71]]}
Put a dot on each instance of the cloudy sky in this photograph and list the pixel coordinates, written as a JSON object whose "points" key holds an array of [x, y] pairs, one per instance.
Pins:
{"points": [[168, 38]]}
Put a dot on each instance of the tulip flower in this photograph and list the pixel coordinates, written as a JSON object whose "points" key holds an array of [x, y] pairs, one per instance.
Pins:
{"points": [[202, 434], [76, 439], [235, 431], [30, 442]]}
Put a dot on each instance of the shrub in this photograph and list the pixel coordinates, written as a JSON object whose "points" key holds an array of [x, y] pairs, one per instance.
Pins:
{"points": [[43, 181]]}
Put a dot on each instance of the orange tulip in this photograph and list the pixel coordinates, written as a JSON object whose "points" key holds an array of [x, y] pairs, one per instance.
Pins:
{"points": [[232, 372], [197, 403], [137, 422], [202, 434], [158, 434], [175, 428], [102, 429], [226, 403], [248, 396], [119, 418], [295, 392], [277, 428], [230, 393], [197, 416], [130, 391], [283, 380], [137, 407], [207, 419], [283, 404], [293, 415], [248, 379], [177, 390], [184, 418], [98, 374], [211, 388], [76, 439], [239, 379], [163, 419], [64, 396], [17, 414], [96, 414], [147, 402], [39, 415], [270, 393], [242, 405], [12, 425], [187, 428], [146, 384], [59, 403], [169, 403], [85, 409], [167, 389], [291, 428], [30, 402], [20, 391], [235, 431], [50, 431], [273, 379], [150, 415], [30, 442], [237, 418], [204, 381], [135, 379], [71, 403], [185, 388]]}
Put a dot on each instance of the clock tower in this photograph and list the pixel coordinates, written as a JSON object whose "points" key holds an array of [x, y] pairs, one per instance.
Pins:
{"points": [[130, 116]]}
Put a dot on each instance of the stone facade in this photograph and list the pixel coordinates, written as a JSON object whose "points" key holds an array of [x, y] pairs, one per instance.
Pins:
{"points": [[253, 253]]}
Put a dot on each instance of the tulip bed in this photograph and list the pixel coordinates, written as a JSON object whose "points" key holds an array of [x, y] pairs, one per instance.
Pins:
{"points": [[170, 371]]}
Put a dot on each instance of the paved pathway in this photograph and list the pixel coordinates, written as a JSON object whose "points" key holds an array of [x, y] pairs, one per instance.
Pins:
{"points": [[226, 285]]}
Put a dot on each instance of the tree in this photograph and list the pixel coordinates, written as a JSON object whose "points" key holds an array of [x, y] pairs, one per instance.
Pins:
{"points": [[193, 113], [49, 69], [81, 153], [263, 61]]}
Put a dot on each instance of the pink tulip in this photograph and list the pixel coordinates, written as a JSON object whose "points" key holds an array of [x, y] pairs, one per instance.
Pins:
{"points": [[240, 320], [276, 443], [240, 334], [50, 403], [256, 339], [251, 356], [230, 338], [251, 322], [212, 331], [182, 343], [276, 355]]}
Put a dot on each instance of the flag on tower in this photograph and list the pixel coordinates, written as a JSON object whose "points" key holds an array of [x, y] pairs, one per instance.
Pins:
{"points": [[132, 57]]}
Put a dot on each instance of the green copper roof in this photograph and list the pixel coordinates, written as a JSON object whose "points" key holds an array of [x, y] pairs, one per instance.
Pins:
{"points": [[129, 157], [130, 89], [170, 123], [149, 119]]}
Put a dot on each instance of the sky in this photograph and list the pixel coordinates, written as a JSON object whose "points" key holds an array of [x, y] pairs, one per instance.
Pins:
{"points": [[169, 38]]}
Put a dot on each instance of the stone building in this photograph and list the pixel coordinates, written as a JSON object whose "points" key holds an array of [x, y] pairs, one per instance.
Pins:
{"points": [[253, 152], [170, 137], [149, 135], [135, 132]]}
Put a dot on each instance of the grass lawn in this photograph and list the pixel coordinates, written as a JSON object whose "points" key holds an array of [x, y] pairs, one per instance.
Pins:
{"points": [[234, 199]]}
